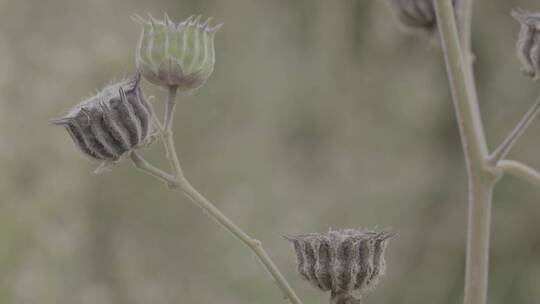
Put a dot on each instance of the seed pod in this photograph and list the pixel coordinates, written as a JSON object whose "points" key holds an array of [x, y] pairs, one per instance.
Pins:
{"points": [[528, 44], [417, 14], [107, 126], [180, 55], [345, 262]]}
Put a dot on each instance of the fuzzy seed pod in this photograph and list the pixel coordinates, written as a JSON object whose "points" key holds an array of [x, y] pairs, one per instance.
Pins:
{"points": [[528, 44], [345, 262], [107, 126], [180, 55], [417, 14]]}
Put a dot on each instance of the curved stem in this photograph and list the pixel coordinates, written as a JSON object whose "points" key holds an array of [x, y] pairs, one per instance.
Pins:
{"points": [[179, 182], [254, 244], [480, 175], [520, 170], [144, 165], [521, 127]]}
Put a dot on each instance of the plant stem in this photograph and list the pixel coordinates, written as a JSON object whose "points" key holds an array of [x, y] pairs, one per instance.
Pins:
{"points": [[179, 182], [254, 244], [480, 176], [168, 138], [520, 170], [466, 23], [510, 141], [144, 165]]}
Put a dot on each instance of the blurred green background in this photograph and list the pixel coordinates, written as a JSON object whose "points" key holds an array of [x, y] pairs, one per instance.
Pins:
{"points": [[320, 114]]}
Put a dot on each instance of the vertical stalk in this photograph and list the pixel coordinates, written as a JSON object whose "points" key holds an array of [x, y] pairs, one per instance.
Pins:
{"points": [[480, 177]]}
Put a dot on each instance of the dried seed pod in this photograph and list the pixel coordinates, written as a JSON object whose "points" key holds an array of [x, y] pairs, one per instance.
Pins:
{"points": [[417, 14], [346, 262], [107, 126], [180, 55], [528, 44]]}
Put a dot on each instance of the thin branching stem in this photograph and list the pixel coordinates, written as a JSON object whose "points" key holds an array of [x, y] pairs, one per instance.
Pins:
{"points": [[179, 182], [521, 127], [144, 165], [520, 170], [481, 178]]}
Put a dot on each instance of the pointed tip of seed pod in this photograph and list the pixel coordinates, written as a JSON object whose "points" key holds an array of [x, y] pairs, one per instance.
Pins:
{"points": [[60, 121], [138, 19], [188, 20], [215, 28], [152, 22], [518, 14], [206, 23], [196, 20], [168, 22], [387, 234], [289, 237], [185, 22]]}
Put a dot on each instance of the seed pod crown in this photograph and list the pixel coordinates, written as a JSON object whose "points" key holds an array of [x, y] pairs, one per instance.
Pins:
{"points": [[345, 262], [180, 55], [110, 124], [528, 44]]}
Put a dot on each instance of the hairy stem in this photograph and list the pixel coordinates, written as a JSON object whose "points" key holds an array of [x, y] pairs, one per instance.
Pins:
{"points": [[510, 141], [480, 176], [520, 170], [179, 182]]}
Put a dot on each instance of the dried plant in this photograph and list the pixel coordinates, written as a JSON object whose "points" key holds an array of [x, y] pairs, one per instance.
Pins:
{"points": [[345, 262], [484, 167], [112, 125]]}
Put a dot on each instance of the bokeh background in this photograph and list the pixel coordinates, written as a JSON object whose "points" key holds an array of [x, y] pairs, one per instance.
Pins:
{"points": [[320, 114]]}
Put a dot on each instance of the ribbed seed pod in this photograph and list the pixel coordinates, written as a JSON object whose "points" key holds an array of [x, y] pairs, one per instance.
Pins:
{"points": [[180, 55], [345, 262], [417, 14], [107, 126], [528, 44]]}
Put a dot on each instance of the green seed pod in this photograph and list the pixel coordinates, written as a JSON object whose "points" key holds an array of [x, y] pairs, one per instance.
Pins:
{"points": [[528, 44], [107, 126], [180, 55], [345, 262], [417, 14]]}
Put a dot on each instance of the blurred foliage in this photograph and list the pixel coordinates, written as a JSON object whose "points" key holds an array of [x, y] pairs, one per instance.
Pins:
{"points": [[319, 114]]}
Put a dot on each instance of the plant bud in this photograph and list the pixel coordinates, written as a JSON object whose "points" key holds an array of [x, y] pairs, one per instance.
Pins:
{"points": [[180, 55], [345, 262], [528, 44], [417, 14], [107, 126]]}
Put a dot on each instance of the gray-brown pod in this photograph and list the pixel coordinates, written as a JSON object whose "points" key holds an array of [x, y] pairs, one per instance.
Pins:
{"points": [[528, 43], [110, 124], [345, 262]]}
